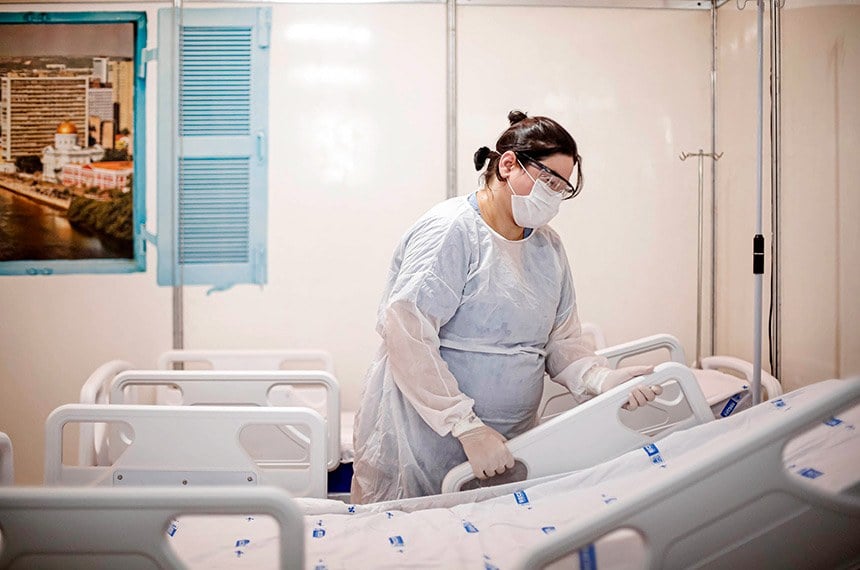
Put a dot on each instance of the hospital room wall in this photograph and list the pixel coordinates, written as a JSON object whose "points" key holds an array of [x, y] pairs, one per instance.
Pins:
{"points": [[819, 235], [358, 138]]}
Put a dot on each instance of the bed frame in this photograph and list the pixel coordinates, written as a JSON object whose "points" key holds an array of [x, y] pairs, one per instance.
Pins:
{"points": [[749, 511], [287, 359], [252, 388], [557, 398], [549, 449], [7, 465], [191, 445], [126, 528]]}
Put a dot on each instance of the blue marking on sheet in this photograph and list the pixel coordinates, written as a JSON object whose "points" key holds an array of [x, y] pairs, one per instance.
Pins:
{"points": [[351, 509], [249, 519], [833, 422], [389, 515], [730, 406], [653, 454], [173, 528], [243, 542], [239, 553], [470, 528], [395, 540], [547, 529], [319, 532], [588, 558], [489, 565], [521, 497], [607, 499], [320, 566], [810, 473], [779, 403]]}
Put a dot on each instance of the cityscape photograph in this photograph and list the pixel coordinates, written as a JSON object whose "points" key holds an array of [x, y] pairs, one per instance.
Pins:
{"points": [[66, 141]]}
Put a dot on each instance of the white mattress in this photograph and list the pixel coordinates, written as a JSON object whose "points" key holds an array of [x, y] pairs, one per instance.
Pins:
{"points": [[495, 531]]}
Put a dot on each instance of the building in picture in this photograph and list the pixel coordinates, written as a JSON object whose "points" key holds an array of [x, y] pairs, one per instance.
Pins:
{"points": [[102, 175], [65, 151], [31, 107]]}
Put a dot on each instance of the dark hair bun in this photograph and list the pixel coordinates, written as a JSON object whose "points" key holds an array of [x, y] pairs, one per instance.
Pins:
{"points": [[515, 117], [481, 156]]}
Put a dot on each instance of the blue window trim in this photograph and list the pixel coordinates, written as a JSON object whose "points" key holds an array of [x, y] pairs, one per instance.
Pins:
{"points": [[138, 262]]}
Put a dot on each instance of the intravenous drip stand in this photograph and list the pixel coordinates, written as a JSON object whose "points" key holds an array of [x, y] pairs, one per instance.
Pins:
{"points": [[701, 155]]}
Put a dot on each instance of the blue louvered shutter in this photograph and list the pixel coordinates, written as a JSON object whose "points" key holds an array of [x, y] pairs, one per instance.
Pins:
{"points": [[212, 142]]}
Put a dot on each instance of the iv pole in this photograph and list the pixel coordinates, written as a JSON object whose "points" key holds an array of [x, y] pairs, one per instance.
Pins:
{"points": [[715, 157]]}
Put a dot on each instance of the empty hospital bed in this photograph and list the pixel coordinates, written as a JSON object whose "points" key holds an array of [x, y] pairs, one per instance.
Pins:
{"points": [[773, 486]]}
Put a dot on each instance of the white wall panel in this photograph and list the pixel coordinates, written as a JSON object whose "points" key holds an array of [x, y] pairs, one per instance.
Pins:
{"points": [[633, 88]]}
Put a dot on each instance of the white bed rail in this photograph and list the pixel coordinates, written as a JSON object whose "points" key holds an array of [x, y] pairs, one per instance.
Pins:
{"points": [[557, 398], [554, 447], [126, 528], [96, 391], [247, 388], [736, 487], [771, 384], [190, 445], [620, 352], [249, 359], [7, 465]]}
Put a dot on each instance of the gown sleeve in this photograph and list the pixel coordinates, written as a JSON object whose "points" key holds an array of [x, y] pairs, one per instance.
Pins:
{"points": [[425, 290], [569, 356]]}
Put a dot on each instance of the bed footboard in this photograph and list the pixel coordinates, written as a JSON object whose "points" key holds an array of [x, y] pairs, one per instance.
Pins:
{"points": [[191, 445], [126, 528]]}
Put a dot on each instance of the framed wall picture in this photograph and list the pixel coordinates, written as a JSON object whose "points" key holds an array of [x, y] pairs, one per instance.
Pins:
{"points": [[72, 144]]}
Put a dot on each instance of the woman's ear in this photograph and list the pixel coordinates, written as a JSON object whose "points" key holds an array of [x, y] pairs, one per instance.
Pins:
{"points": [[507, 163]]}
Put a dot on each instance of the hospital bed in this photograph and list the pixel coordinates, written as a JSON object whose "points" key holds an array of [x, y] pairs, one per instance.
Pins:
{"points": [[773, 486], [7, 465], [725, 380]]}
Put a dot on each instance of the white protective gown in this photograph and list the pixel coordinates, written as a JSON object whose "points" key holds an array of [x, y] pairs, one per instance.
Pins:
{"points": [[469, 320]]}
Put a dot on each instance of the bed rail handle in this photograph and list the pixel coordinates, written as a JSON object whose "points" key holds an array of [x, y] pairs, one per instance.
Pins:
{"points": [[620, 352], [548, 448]]}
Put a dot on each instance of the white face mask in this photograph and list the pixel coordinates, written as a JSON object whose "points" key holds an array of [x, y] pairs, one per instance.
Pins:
{"points": [[536, 209]]}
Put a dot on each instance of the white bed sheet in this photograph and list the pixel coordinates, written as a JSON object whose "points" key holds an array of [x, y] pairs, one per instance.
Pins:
{"points": [[496, 531]]}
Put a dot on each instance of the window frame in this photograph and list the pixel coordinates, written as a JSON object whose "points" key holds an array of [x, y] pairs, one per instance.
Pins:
{"points": [[137, 263]]}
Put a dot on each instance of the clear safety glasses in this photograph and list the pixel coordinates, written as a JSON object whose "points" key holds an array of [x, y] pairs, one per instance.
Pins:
{"points": [[555, 181]]}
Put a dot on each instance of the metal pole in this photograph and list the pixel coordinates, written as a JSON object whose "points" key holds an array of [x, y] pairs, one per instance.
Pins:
{"points": [[178, 311], [713, 341], [451, 190], [698, 362], [775, 153], [758, 239]]}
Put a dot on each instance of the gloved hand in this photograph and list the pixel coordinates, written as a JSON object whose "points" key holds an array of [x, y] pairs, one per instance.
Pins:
{"points": [[640, 395], [486, 450]]}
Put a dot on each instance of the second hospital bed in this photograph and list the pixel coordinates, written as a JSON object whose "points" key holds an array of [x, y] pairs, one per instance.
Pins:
{"points": [[769, 487]]}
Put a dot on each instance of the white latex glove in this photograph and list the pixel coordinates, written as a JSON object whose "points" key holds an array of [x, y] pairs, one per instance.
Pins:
{"points": [[488, 455], [604, 379]]}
